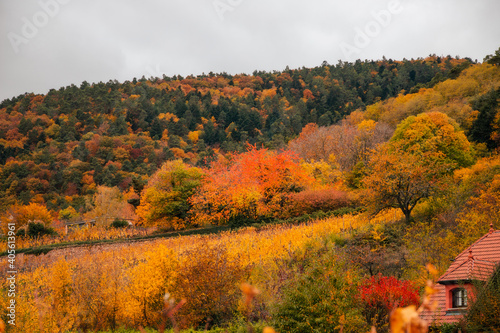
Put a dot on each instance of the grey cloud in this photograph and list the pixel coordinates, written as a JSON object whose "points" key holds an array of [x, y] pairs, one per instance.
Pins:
{"points": [[99, 40]]}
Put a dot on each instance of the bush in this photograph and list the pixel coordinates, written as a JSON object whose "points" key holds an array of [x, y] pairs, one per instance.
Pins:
{"points": [[117, 223], [309, 201], [445, 328], [210, 281], [38, 229], [379, 295], [378, 249], [483, 313], [321, 299]]}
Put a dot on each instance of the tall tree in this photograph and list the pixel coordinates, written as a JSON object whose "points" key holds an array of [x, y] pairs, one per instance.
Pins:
{"points": [[413, 164], [164, 201], [436, 134], [399, 179], [254, 184]]}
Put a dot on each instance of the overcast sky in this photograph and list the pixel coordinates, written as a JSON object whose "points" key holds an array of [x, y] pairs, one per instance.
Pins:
{"points": [[47, 44]]}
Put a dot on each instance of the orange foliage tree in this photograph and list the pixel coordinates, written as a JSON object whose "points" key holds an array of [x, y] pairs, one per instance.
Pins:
{"points": [[398, 179], [412, 166], [251, 185], [23, 214], [213, 295]]}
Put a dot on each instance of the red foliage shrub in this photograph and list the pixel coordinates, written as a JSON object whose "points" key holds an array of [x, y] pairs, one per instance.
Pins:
{"points": [[379, 295], [309, 201]]}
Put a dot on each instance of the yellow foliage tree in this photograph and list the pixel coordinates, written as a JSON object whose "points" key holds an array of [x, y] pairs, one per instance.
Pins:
{"points": [[194, 136], [480, 212], [23, 214], [150, 280], [109, 204]]}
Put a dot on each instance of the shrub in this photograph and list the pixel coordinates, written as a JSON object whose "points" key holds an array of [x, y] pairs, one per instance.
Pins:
{"points": [[97, 290], [148, 281], [117, 223], [379, 295], [38, 229], [321, 299], [378, 249], [209, 281], [23, 215], [445, 328], [483, 312]]}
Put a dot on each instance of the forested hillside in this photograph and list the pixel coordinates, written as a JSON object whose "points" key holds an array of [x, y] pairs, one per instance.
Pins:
{"points": [[55, 149], [393, 164]]}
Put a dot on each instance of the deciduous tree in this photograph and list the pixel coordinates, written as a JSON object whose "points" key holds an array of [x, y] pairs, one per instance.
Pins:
{"points": [[164, 201], [110, 204], [412, 166], [399, 179], [253, 184], [21, 215], [437, 134], [343, 144]]}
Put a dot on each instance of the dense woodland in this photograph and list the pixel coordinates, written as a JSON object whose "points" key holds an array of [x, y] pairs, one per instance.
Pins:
{"points": [[56, 148], [395, 162]]}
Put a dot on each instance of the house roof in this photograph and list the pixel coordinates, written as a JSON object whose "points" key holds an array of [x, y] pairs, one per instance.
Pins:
{"points": [[470, 269], [477, 262]]}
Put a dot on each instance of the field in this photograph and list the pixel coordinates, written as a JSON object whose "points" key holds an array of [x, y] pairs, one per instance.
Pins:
{"points": [[111, 286]]}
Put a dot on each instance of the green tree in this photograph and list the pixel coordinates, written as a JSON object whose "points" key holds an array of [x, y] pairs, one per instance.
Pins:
{"points": [[484, 125], [320, 299], [483, 313], [164, 199], [493, 59]]}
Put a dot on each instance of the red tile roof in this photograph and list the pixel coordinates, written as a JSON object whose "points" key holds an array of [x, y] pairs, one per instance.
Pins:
{"points": [[470, 269], [477, 262]]}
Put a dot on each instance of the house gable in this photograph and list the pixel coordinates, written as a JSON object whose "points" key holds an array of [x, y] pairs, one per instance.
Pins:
{"points": [[476, 263]]}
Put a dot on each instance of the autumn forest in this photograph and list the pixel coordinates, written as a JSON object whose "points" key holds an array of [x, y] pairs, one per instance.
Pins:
{"points": [[306, 200]]}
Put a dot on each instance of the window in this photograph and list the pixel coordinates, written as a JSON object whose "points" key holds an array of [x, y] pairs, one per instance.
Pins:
{"points": [[459, 298]]}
